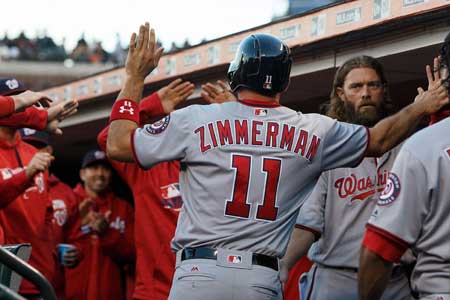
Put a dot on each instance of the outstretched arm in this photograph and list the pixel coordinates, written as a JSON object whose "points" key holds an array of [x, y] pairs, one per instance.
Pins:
{"points": [[141, 60], [389, 132]]}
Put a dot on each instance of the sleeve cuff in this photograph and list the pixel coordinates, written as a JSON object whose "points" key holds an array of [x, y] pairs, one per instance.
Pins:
{"points": [[316, 233], [150, 107], [383, 243]]}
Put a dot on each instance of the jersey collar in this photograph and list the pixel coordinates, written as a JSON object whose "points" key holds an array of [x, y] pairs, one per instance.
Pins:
{"points": [[259, 103]]}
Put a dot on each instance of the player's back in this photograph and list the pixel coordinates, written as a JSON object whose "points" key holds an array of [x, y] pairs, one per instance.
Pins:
{"points": [[248, 169], [429, 151]]}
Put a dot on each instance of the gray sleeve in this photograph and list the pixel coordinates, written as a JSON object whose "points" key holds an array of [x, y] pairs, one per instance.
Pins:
{"points": [[164, 140], [344, 145], [403, 205], [312, 213]]}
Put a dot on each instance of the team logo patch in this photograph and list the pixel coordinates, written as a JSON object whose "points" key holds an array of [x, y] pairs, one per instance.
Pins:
{"points": [[234, 259], [261, 112], [59, 212], [159, 126], [448, 152], [391, 191]]}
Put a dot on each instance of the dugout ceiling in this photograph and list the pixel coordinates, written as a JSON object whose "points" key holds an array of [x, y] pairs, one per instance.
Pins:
{"points": [[403, 45]]}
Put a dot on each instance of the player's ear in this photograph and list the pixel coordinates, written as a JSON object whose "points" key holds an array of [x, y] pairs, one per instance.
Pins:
{"points": [[340, 93], [82, 174]]}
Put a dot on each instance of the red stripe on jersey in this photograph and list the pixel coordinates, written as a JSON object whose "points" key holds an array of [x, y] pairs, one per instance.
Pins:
{"points": [[316, 233], [384, 243], [259, 103]]}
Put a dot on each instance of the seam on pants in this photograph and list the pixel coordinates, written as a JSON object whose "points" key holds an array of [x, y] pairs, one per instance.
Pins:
{"points": [[312, 283]]}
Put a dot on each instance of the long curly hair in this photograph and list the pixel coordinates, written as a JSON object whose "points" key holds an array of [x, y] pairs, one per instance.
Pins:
{"points": [[336, 108]]}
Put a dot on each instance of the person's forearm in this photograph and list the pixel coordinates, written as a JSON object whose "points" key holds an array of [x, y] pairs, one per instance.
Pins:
{"points": [[118, 145], [301, 241], [132, 89], [392, 130], [373, 275]]}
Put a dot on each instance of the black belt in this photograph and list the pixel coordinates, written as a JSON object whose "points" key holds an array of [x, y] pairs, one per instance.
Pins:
{"points": [[348, 269], [210, 253]]}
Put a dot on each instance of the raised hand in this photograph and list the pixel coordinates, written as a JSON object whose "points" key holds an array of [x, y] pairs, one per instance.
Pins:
{"points": [[213, 94], [59, 112], [436, 96], [142, 57], [39, 163], [29, 98], [86, 211], [101, 222], [175, 93]]}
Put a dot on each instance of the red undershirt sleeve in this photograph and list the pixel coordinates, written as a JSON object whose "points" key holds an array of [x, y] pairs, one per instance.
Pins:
{"points": [[383, 243]]}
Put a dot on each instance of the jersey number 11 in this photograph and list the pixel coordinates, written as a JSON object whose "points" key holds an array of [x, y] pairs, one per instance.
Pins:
{"points": [[238, 206]]}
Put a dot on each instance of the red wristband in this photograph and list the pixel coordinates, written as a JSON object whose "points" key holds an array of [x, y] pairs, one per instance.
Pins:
{"points": [[125, 109]]}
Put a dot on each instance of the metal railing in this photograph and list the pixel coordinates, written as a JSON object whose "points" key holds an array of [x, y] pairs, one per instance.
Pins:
{"points": [[27, 272], [8, 294]]}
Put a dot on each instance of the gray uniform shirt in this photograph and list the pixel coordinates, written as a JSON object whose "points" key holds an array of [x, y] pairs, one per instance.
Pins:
{"points": [[415, 205], [339, 208], [246, 169]]}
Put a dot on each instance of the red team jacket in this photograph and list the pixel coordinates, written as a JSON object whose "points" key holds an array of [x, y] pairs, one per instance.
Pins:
{"points": [[157, 203], [31, 117], [98, 276], [26, 214], [65, 215], [7, 106]]}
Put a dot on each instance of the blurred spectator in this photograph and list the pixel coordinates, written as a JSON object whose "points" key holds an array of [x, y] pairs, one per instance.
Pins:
{"points": [[98, 55], [81, 51], [45, 49]]}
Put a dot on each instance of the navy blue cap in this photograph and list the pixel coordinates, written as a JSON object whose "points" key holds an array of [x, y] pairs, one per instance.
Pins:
{"points": [[94, 156], [39, 139], [11, 86]]}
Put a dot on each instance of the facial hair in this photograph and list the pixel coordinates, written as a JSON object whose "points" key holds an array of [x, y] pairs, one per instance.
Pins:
{"points": [[361, 118]]}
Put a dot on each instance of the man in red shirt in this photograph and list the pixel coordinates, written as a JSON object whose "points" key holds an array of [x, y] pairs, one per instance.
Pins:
{"points": [[65, 211], [157, 202], [107, 239], [25, 216]]}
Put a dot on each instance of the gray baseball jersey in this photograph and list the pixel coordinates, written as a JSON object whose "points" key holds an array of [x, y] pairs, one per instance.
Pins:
{"points": [[246, 168], [338, 209], [415, 206]]}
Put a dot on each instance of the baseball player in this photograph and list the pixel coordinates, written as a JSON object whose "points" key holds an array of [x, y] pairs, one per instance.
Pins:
{"points": [[246, 166], [157, 201], [413, 211], [332, 219], [65, 212], [107, 238], [25, 214]]}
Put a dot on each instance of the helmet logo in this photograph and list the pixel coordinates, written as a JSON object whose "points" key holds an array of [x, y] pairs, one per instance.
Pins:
{"points": [[268, 83]]}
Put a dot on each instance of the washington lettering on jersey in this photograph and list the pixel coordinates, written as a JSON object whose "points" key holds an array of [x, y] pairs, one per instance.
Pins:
{"points": [[249, 132], [360, 188]]}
